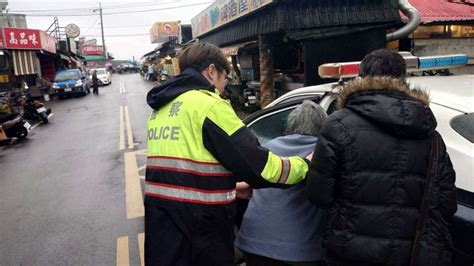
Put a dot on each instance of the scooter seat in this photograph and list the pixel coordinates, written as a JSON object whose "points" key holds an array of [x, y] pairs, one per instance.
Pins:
{"points": [[7, 117]]}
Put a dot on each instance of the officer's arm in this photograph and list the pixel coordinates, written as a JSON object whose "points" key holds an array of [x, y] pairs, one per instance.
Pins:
{"points": [[232, 143]]}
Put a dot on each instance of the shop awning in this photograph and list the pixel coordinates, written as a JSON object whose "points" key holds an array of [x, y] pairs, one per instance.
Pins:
{"points": [[94, 57], [24, 62], [234, 49], [443, 10]]}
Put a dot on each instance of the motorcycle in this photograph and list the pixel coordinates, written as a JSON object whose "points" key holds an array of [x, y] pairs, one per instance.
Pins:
{"points": [[33, 109], [14, 126]]}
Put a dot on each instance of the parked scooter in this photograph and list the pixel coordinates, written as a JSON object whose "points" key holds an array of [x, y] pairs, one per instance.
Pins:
{"points": [[33, 109], [14, 126]]}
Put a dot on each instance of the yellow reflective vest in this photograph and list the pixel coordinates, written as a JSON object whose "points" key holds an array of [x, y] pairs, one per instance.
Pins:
{"points": [[198, 148]]}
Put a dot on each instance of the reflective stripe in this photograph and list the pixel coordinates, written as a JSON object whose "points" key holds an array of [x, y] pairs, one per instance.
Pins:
{"points": [[187, 194], [285, 170], [187, 166]]}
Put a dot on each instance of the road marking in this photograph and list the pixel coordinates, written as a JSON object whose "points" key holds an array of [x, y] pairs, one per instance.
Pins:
{"points": [[34, 126], [122, 135], [129, 129], [133, 191], [124, 88], [142, 152], [122, 251], [141, 168], [141, 247], [50, 115]]}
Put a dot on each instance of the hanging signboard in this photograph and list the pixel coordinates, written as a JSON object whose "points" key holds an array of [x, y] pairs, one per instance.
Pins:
{"points": [[222, 12], [24, 39], [48, 42], [92, 50], [162, 31], [27, 39]]}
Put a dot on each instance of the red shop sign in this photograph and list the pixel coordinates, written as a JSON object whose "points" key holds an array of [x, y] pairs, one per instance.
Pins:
{"points": [[22, 38]]}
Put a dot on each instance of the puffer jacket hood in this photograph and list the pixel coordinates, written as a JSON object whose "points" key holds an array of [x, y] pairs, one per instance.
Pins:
{"points": [[189, 79], [391, 105]]}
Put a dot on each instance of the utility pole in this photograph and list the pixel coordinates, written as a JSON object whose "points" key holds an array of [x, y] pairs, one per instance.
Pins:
{"points": [[102, 30]]}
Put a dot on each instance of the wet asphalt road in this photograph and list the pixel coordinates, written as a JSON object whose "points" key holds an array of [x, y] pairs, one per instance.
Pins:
{"points": [[63, 189]]}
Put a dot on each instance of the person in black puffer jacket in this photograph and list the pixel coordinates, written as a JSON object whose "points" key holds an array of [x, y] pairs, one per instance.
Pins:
{"points": [[369, 170]]}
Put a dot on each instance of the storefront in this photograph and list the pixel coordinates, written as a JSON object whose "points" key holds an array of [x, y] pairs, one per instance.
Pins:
{"points": [[27, 57], [171, 37], [292, 38], [447, 27]]}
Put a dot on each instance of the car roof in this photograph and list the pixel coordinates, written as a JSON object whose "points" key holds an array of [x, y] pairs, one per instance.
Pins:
{"points": [[455, 91], [69, 70]]}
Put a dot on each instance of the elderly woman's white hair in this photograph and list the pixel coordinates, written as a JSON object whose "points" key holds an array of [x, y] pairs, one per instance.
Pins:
{"points": [[306, 119]]}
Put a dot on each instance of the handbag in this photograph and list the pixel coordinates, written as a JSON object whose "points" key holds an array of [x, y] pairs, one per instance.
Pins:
{"points": [[427, 194]]}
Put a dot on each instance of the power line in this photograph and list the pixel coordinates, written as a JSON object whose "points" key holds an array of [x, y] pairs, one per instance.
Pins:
{"points": [[118, 35], [116, 13], [132, 26], [90, 27], [139, 4]]}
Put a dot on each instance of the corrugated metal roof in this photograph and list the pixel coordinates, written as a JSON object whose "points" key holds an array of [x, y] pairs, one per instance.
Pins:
{"points": [[444, 10]]}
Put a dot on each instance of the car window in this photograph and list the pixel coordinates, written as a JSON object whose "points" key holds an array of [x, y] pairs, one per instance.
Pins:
{"points": [[464, 125], [67, 75], [271, 126], [100, 72]]}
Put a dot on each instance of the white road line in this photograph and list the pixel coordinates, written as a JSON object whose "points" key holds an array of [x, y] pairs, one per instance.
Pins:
{"points": [[133, 190], [141, 244], [123, 258], [122, 134], [34, 126], [129, 129], [124, 88]]}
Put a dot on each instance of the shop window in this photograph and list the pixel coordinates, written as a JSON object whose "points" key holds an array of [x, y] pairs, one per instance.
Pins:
{"points": [[444, 31]]}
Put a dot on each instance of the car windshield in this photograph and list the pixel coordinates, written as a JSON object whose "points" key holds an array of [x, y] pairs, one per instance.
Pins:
{"points": [[100, 72], [67, 75]]}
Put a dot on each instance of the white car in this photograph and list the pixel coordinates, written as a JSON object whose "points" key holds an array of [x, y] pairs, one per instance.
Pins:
{"points": [[452, 102], [103, 75]]}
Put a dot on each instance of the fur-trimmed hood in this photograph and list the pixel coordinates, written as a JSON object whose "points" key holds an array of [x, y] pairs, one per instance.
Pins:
{"points": [[391, 105]]}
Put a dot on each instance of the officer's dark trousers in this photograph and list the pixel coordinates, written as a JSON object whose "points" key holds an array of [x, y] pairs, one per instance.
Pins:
{"points": [[181, 236]]}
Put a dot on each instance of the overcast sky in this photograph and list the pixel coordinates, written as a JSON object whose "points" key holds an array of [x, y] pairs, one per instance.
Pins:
{"points": [[40, 15]]}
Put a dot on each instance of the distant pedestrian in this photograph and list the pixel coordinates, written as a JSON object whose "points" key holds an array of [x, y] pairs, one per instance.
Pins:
{"points": [[371, 167], [197, 149], [95, 82], [280, 226]]}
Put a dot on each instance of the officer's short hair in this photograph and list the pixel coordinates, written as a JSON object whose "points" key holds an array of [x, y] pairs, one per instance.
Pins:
{"points": [[200, 55], [383, 62], [306, 119]]}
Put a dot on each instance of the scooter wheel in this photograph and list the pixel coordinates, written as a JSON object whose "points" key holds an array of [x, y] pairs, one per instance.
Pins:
{"points": [[21, 133], [44, 118]]}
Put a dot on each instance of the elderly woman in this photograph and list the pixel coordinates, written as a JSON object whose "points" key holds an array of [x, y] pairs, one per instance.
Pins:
{"points": [[280, 227]]}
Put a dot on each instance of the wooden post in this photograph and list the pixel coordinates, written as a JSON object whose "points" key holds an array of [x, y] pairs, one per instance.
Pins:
{"points": [[266, 70]]}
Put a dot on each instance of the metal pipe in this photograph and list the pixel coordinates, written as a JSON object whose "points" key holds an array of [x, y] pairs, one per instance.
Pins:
{"points": [[414, 20]]}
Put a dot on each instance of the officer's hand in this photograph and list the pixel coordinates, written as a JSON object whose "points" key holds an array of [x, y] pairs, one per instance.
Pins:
{"points": [[310, 157], [244, 190]]}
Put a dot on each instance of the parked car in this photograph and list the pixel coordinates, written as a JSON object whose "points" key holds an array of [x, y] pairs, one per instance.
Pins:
{"points": [[452, 102], [103, 75], [70, 82], [128, 68]]}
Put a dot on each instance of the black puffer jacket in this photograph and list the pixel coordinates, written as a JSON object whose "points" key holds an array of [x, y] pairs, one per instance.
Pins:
{"points": [[369, 170]]}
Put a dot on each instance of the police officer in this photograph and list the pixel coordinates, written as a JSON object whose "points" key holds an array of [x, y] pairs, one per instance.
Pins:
{"points": [[197, 149]]}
